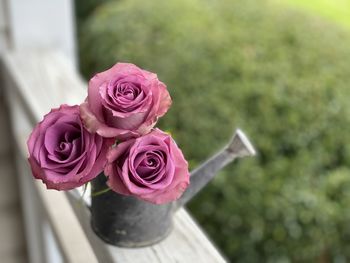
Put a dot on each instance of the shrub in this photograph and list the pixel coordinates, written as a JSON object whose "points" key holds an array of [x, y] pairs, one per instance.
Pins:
{"points": [[281, 76], [84, 8]]}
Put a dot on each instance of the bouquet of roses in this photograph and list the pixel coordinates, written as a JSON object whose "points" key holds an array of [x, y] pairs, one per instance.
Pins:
{"points": [[113, 132]]}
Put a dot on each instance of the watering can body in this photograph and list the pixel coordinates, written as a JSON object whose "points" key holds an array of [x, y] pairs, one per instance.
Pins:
{"points": [[129, 222]]}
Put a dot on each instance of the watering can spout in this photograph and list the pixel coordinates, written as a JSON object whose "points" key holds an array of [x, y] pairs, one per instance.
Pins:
{"points": [[238, 147]]}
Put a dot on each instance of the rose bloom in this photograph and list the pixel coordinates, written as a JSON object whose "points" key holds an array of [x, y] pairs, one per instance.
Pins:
{"points": [[63, 154], [150, 167], [124, 101]]}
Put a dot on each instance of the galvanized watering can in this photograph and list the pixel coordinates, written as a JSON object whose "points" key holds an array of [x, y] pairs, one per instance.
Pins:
{"points": [[129, 222]]}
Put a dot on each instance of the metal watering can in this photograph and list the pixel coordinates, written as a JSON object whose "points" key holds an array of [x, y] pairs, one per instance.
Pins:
{"points": [[129, 222]]}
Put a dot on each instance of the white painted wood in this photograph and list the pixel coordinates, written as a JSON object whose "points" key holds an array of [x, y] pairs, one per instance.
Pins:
{"points": [[32, 211], [43, 24], [3, 41], [3, 26], [44, 80], [2, 15], [8, 188], [53, 254], [12, 245], [31, 208], [4, 132]]}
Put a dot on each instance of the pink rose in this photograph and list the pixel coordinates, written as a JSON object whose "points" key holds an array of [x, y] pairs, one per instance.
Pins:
{"points": [[124, 101], [150, 167], [63, 154]]}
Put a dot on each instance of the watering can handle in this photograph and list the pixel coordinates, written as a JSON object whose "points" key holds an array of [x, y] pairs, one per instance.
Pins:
{"points": [[80, 197], [238, 147]]}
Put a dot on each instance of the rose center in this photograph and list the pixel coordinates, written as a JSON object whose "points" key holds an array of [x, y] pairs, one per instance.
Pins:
{"points": [[151, 168], [152, 162], [68, 144], [128, 91], [63, 146], [123, 95]]}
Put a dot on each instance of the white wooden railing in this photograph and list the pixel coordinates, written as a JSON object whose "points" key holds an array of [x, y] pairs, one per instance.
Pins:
{"points": [[58, 223]]}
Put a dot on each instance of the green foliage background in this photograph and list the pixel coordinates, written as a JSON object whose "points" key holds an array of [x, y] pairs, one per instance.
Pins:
{"points": [[280, 75]]}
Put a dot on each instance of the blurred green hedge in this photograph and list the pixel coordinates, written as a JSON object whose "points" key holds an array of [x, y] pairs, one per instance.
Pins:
{"points": [[283, 77]]}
